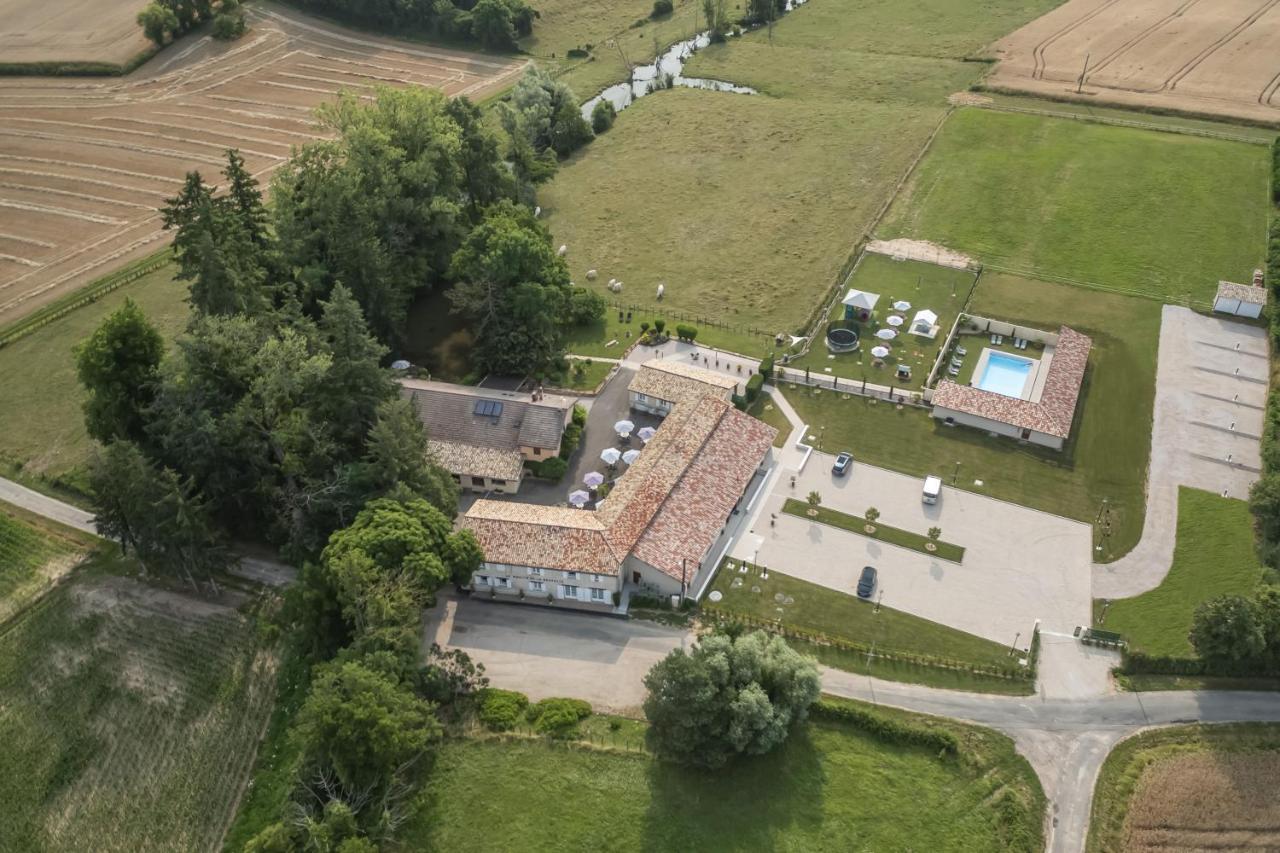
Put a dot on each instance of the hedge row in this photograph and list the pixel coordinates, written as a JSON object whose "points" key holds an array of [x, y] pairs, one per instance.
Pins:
{"points": [[886, 729], [1134, 663], [1270, 547]]}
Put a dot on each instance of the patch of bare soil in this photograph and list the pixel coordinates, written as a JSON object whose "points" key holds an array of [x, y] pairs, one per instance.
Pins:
{"points": [[1213, 57]]}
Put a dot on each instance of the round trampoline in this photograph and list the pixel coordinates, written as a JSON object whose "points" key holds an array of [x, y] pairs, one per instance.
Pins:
{"points": [[841, 339]]}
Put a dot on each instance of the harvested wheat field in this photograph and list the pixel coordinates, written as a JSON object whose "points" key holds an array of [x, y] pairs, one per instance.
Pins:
{"points": [[1215, 57], [84, 164], [71, 31], [1207, 801]]}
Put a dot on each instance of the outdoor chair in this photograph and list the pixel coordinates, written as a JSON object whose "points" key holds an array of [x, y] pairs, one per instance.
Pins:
{"points": [[961, 351], [953, 370]]}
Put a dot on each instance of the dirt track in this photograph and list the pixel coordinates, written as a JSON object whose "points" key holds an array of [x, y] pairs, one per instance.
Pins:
{"points": [[71, 31], [84, 163], [1219, 57]]}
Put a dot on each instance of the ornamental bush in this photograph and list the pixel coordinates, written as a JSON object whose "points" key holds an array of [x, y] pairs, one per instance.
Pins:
{"points": [[557, 717], [500, 710], [602, 116]]}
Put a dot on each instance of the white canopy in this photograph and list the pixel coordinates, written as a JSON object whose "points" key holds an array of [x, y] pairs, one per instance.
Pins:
{"points": [[886, 334], [579, 497], [860, 299], [611, 455], [894, 320], [646, 433], [624, 427], [880, 352], [902, 305], [631, 456], [924, 316]]}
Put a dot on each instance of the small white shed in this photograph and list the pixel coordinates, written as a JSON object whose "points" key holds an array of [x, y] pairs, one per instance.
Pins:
{"points": [[1240, 300]]}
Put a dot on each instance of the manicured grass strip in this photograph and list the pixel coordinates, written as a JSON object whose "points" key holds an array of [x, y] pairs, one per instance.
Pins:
{"points": [[767, 410], [1142, 682], [883, 532], [1214, 556], [811, 793], [1122, 774], [840, 630]]}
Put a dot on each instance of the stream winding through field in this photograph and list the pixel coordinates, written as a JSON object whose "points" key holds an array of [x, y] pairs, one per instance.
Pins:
{"points": [[666, 72]]}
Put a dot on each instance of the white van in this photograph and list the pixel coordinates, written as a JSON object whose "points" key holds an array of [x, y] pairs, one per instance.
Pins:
{"points": [[932, 489]]}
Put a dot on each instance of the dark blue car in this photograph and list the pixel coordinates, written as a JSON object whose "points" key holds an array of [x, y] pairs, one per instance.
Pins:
{"points": [[867, 583]]}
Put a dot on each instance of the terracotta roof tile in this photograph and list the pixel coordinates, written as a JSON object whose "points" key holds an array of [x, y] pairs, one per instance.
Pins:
{"points": [[1243, 292]]}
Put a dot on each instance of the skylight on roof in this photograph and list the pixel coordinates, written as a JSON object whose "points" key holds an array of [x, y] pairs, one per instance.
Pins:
{"points": [[488, 408]]}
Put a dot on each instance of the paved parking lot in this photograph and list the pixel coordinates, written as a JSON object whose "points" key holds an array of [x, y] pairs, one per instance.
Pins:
{"points": [[1211, 392], [1020, 565], [544, 652]]}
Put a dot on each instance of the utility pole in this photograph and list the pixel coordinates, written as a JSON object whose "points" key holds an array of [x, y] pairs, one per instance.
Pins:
{"points": [[1083, 73], [684, 573]]}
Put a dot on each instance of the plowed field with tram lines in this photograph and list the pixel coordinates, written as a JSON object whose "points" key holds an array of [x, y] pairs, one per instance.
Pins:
{"points": [[86, 163], [1214, 57]]}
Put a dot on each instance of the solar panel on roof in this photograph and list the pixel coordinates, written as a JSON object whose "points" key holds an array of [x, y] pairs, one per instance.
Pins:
{"points": [[488, 408]]}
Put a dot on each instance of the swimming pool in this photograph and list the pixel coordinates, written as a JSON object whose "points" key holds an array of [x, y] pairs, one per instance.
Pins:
{"points": [[1005, 374]]}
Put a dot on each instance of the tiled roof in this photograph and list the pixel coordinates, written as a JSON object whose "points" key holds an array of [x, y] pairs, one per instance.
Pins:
{"points": [[668, 506], [673, 381], [470, 460], [1052, 414], [522, 534], [1242, 292], [448, 412], [690, 520]]}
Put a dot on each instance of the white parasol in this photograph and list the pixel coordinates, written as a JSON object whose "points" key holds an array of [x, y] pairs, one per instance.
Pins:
{"points": [[646, 433], [631, 456], [611, 455], [894, 320], [593, 479], [579, 498], [880, 352], [624, 428], [886, 334], [902, 305]]}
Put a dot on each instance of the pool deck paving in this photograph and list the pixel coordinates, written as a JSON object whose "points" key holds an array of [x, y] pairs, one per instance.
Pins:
{"points": [[1211, 395]]}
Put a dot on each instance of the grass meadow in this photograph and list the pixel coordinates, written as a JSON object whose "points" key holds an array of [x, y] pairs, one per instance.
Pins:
{"points": [[1189, 787], [1167, 215], [34, 552], [1107, 454], [41, 424], [829, 787], [1214, 556], [753, 229], [129, 716]]}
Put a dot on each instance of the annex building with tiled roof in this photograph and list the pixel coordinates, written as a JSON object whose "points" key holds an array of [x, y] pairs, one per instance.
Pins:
{"points": [[484, 436], [1043, 415], [659, 525]]}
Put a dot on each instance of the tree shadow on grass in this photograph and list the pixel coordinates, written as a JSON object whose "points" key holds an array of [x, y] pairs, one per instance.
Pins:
{"points": [[744, 806]]}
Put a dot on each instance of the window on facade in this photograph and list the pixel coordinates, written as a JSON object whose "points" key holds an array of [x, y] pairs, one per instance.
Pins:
{"points": [[483, 580], [571, 576], [569, 591], [536, 586], [477, 481], [501, 582], [641, 398], [537, 451], [499, 482], [597, 595], [534, 570]]}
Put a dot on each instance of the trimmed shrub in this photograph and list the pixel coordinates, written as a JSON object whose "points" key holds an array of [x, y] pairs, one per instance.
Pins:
{"points": [[551, 469], [602, 115], [659, 325], [740, 402], [557, 717], [766, 367], [754, 384], [660, 8], [686, 333], [570, 440], [500, 710], [885, 728], [577, 53], [579, 416]]}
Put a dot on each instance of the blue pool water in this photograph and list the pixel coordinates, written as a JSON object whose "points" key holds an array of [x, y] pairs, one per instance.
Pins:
{"points": [[1005, 374]]}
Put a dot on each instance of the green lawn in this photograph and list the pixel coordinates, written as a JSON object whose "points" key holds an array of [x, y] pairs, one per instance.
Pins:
{"points": [[1214, 555], [885, 533], [1157, 213], [816, 609], [753, 229], [1122, 775], [41, 424], [830, 787], [941, 289], [764, 409], [1107, 455], [129, 717]]}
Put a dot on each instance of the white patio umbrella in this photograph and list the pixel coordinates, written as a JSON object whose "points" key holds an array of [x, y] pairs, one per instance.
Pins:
{"points": [[880, 352], [631, 456], [611, 455], [593, 479], [400, 364], [902, 305], [579, 498], [646, 433], [624, 428], [894, 320], [886, 334]]}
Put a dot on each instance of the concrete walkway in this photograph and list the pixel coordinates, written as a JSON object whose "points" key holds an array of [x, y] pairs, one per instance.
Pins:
{"points": [[1211, 392]]}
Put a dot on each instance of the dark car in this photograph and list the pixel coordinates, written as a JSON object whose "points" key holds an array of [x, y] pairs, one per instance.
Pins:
{"points": [[867, 583], [843, 461]]}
